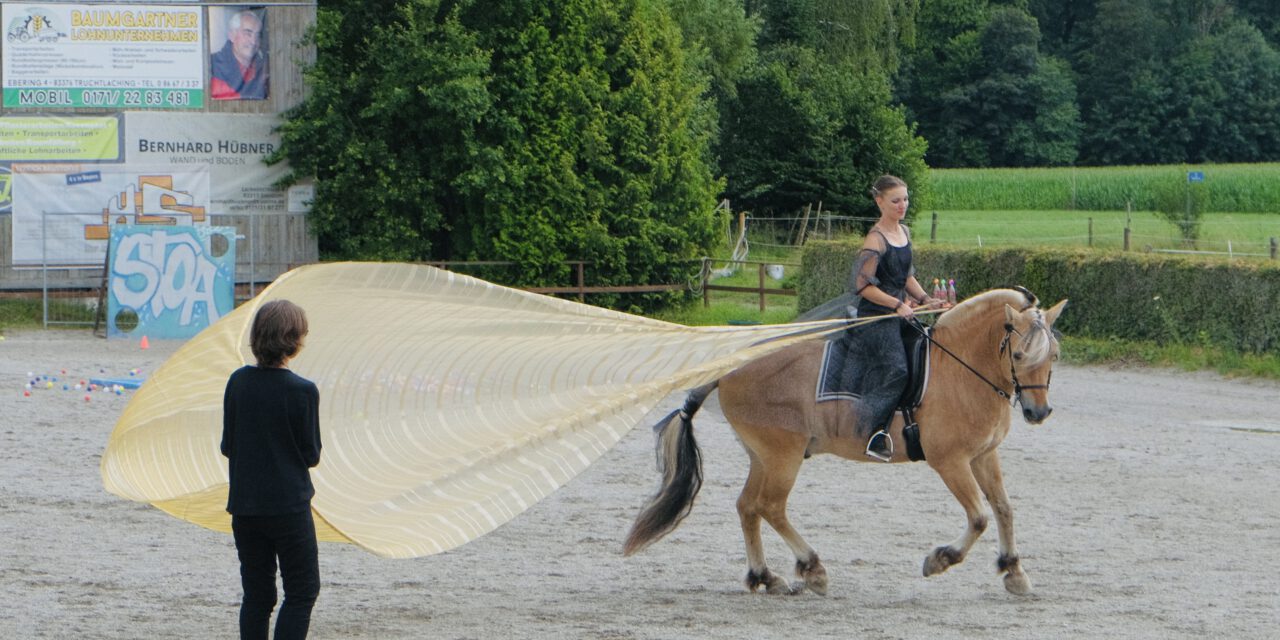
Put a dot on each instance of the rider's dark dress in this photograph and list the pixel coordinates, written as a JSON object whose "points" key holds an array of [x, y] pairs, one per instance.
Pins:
{"points": [[875, 348]]}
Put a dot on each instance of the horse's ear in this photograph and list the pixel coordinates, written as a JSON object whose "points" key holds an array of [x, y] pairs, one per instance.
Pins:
{"points": [[1010, 314], [1051, 315]]}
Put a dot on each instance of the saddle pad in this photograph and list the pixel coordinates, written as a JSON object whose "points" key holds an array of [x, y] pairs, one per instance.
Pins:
{"points": [[837, 375]]}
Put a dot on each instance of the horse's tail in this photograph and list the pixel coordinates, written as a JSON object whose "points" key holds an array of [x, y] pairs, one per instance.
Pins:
{"points": [[680, 463]]}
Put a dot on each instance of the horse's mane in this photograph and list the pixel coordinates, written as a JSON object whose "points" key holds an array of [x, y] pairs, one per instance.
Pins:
{"points": [[1036, 344]]}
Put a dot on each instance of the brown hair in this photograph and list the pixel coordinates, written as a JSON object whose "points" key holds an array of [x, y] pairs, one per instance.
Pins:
{"points": [[277, 332], [885, 183]]}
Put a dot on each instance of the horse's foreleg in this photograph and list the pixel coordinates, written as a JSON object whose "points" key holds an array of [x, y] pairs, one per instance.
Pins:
{"points": [[986, 469], [958, 476]]}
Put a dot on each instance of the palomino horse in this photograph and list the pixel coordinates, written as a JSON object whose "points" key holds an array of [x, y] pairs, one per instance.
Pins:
{"points": [[989, 349]]}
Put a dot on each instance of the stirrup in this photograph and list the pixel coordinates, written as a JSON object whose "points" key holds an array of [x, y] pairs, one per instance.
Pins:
{"points": [[876, 454]]}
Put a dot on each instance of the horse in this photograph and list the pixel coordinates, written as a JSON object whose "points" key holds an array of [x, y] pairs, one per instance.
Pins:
{"points": [[986, 353]]}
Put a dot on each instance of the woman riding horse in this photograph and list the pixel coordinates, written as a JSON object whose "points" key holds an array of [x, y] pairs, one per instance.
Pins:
{"points": [[991, 350], [884, 282]]}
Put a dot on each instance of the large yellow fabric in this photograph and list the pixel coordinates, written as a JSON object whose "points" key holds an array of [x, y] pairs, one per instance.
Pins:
{"points": [[448, 405]]}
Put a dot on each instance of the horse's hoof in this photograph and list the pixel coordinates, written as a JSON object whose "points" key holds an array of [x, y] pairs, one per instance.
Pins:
{"points": [[1017, 583], [817, 584], [940, 560], [779, 587], [813, 576]]}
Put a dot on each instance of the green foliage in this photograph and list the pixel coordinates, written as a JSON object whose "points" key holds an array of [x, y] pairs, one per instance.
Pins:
{"points": [[801, 131], [21, 314], [1240, 233], [1182, 203], [397, 93], [720, 38], [1239, 188], [983, 93], [531, 131], [1166, 300]]}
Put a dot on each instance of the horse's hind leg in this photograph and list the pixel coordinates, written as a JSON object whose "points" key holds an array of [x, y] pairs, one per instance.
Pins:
{"points": [[765, 496], [986, 469], [958, 476], [758, 574]]}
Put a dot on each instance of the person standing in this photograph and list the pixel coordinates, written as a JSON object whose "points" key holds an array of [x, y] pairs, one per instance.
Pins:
{"points": [[271, 438], [884, 283], [239, 70]]}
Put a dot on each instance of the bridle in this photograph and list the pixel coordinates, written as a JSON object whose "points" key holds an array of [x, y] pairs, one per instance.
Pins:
{"points": [[1018, 387]]}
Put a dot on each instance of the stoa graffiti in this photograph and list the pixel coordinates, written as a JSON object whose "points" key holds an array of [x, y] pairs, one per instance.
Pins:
{"points": [[168, 276]]}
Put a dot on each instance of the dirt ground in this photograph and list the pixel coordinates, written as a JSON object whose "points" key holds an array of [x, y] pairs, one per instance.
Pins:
{"points": [[1146, 507]]}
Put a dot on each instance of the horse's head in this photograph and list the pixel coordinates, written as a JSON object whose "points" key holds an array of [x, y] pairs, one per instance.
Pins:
{"points": [[1032, 348]]}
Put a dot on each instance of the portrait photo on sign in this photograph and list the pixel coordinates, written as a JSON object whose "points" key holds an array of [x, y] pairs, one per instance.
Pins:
{"points": [[238, 55]]}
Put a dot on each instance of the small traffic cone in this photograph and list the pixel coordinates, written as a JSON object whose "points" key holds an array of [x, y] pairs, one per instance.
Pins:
{"points": [[145, 344]]}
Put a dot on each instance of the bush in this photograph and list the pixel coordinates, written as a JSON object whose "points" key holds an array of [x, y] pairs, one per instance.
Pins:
{"points": [[1183, 204]]}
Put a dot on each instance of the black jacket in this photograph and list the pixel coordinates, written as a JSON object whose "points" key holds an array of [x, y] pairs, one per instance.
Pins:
{"points": [[271, 436]]}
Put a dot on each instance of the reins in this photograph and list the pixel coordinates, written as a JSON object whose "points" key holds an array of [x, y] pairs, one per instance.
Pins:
{"points": [[915, 325], [1018, 387]]}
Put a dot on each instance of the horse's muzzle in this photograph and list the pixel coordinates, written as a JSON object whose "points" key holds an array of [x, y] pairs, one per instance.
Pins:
{"points": [[1036, 414]]}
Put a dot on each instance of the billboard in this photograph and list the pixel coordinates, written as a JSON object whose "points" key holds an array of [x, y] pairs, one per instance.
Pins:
{"points": [[60, 138], [62, 214], [231, 145], [105, 56], [74, 176]]}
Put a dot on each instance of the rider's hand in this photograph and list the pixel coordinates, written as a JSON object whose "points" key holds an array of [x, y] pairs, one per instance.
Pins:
{"points": [[904, 310]]}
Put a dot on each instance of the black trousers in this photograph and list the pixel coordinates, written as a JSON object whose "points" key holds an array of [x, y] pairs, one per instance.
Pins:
{"points": [[260, 542]]}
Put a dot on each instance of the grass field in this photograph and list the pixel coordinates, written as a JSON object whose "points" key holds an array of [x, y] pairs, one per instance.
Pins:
{"points": [[1235, 232], [1242, 188]]}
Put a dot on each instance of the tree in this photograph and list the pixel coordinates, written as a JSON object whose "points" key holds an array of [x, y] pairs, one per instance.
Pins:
{"points": [[866, 36], [801, 131], [982, 92], [535, 131], [720, 38], [1124, 93], [397, 92], [1226, 96]]}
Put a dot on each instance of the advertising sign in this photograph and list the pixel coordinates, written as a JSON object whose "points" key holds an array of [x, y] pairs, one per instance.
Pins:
{"points": [[62, 214], [105, 56], [60, 138], [230, 145], [169, 282]]}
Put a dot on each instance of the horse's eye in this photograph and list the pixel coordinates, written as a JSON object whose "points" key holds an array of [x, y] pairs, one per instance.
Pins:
{"points": [[1017, 355]]}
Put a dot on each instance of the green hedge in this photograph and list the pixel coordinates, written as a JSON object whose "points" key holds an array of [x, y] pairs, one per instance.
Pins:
{"points": [[1131, 296]]}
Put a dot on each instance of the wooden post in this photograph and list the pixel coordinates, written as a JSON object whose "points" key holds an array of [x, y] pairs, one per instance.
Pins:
{"points": [[582, 294], [933, 230], [1126, 238], [706, 279], [1273, 247], [804, 224], [1090, 231], [762, 287]]}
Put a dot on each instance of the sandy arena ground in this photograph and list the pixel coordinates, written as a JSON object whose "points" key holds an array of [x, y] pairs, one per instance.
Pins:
{"points": [[1146, 507]]}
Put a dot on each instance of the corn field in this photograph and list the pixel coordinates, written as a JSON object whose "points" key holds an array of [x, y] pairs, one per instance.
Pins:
{"points": [[1232, 188]]}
